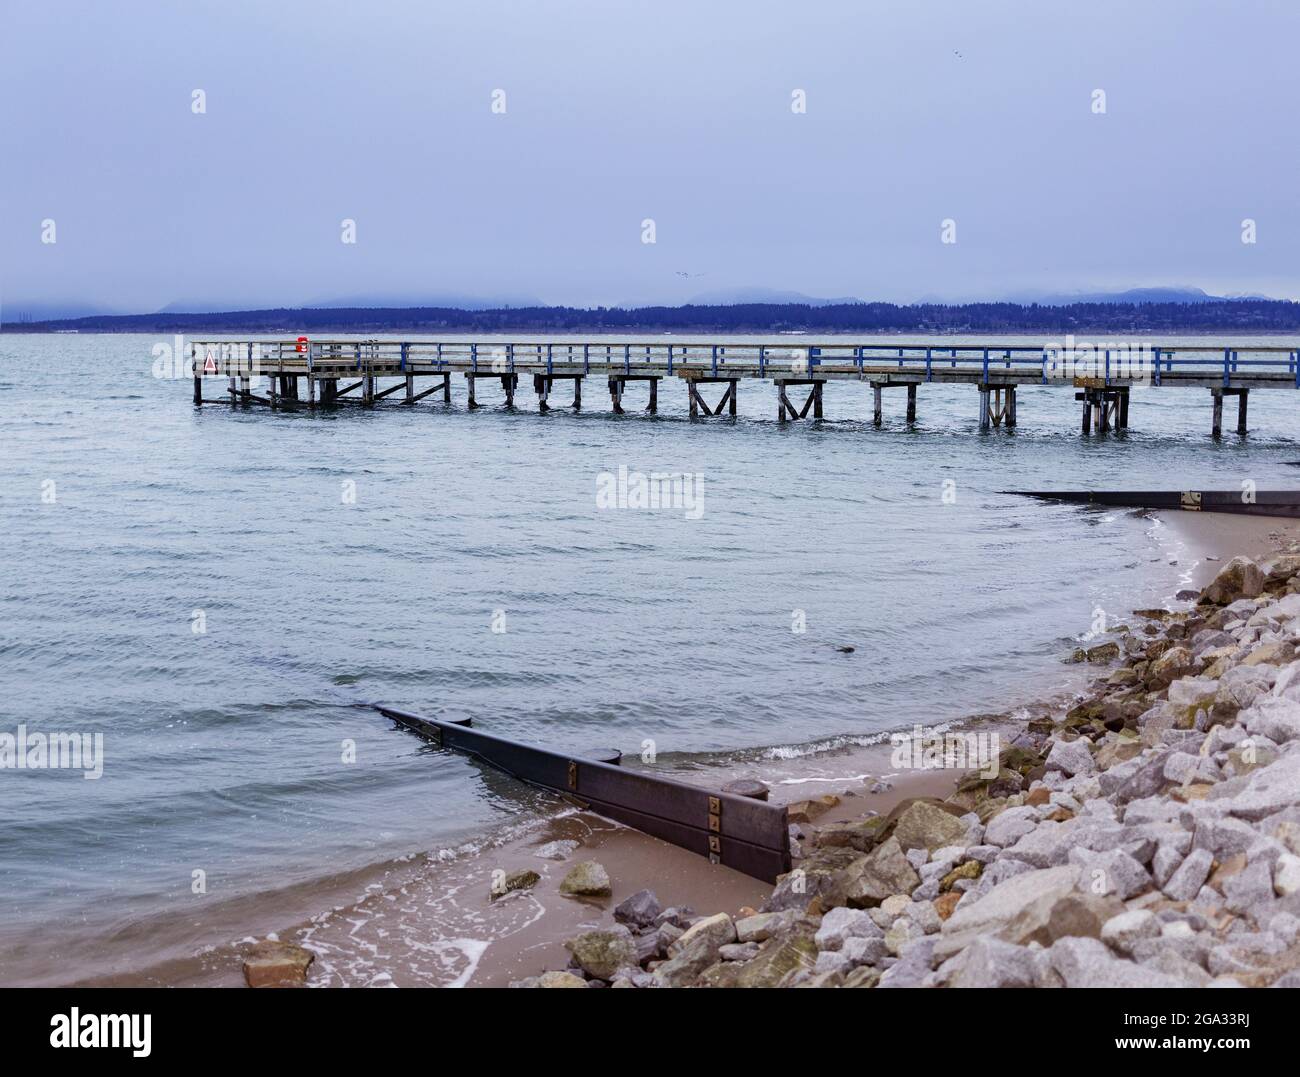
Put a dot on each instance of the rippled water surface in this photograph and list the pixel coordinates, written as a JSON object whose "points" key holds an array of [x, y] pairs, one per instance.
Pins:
{"points": [[224, 749]]}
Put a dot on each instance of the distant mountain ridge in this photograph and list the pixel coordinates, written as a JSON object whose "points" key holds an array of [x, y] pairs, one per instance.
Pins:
{"points": [[1220, 315], [1131, 295]]}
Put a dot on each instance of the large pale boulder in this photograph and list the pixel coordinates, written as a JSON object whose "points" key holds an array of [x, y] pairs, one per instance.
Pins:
{"points": [[993, 913], [778, 959], [872, 878], [1086, 962], [1239, 578], [1268, 790], [602, 953], [991, 963], [1071, 757], [925, 826], [586, 879], [718, 929]]}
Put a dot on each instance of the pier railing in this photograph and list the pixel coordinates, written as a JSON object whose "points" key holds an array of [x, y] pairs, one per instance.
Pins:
{"points": [[1275, 366]]}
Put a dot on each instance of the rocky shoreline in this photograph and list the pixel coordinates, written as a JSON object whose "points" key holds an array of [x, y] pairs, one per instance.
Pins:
{"points": [[1147, 837]]}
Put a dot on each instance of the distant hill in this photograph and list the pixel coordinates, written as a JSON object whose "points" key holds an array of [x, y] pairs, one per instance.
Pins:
{"points": [[736, 296], [1132, 295], [1221, 315], [44, 312], [368, 302]]}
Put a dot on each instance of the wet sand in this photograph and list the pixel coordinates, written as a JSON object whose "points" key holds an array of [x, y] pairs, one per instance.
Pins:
{"points": [[1215, 538]]}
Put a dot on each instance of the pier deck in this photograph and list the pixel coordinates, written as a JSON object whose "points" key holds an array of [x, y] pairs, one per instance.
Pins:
{"points": [[338, 371]]}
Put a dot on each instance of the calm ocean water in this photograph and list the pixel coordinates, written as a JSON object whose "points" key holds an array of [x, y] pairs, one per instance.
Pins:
{"points": [[224, 748]]}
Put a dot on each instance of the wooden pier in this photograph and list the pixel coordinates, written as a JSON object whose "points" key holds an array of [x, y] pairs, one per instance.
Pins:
{"points": [[328, 373]]}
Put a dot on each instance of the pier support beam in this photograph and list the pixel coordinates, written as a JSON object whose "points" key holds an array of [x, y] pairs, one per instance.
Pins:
{"points": [[544, 383], [245, 390], [618, 383], [1216, 425], [877, 400], [786, 410], [698, 403], [443, 386], [997, 406], [1105, 407], [198, 389]]}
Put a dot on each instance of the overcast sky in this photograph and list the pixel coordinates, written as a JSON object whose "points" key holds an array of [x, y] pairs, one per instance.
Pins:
{"points": [[382, 113]]}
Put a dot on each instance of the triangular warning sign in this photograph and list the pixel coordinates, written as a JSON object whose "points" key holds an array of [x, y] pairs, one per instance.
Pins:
{"points": [[209, 365]]}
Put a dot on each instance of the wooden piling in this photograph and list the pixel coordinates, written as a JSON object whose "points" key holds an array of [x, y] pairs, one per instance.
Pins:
{"points": [[1241, 411], [877, 405], [911, 403], [986, 414], [699, 404], [616, 395], [472, 403], [198, 389], [1216, 422]]}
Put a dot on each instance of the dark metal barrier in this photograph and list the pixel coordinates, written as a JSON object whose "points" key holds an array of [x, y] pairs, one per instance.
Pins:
{"points": [[1244, 502], [745, 834]]}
